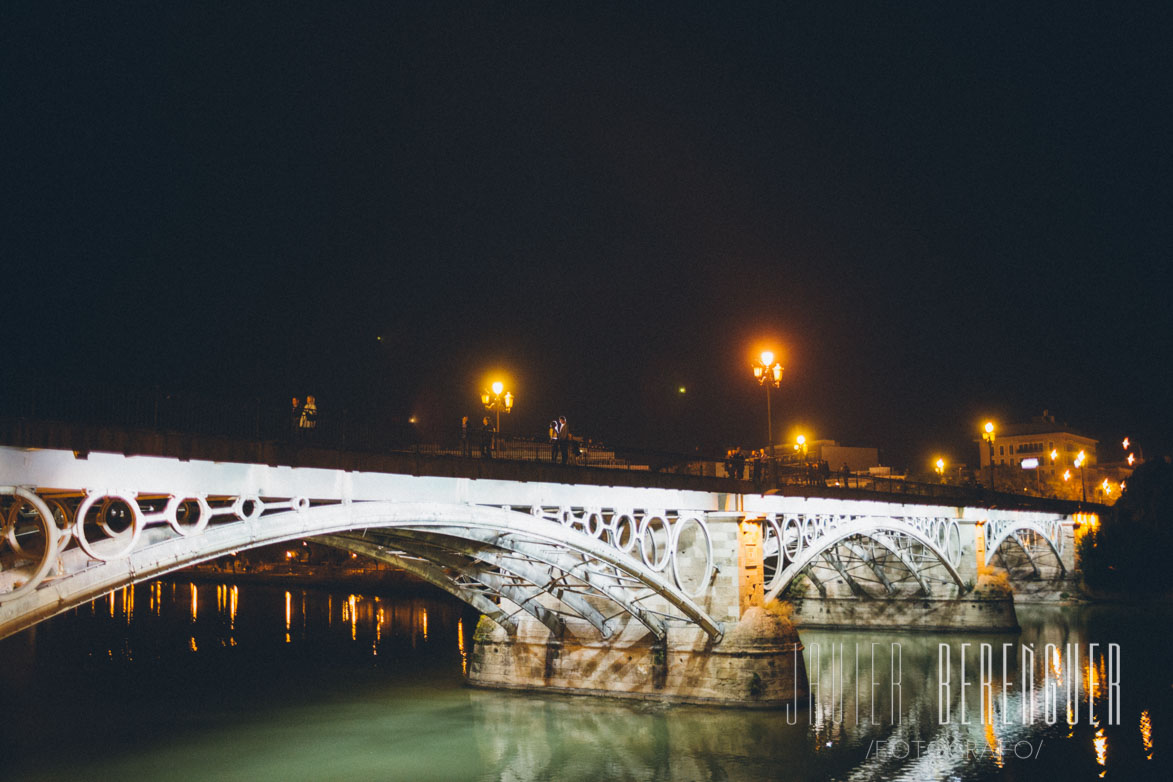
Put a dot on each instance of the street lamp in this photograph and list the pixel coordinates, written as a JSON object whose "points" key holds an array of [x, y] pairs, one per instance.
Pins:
{"points": [[496, 399], [939, 466], [769, 373], [1080, 459], [988, 436]]}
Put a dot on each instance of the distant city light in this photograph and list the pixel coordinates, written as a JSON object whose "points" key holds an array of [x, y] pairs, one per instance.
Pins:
{"points": [[1126, 443], [682, 390]]}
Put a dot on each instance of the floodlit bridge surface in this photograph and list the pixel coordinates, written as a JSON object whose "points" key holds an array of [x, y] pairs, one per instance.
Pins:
{"points": [[583, 560]]}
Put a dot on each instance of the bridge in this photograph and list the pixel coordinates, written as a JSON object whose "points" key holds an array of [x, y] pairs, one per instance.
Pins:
{"points": [[655, 588]]}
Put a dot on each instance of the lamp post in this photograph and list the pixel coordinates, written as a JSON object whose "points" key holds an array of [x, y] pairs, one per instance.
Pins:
{"points": [[1080, 459], [939, 467], [1051, 474], [769, 373], [497, 398], [988, 436], [800, 448]]}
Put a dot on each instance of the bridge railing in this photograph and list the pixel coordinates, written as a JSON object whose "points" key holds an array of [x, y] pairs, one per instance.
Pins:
{"points": [[265, 420]]}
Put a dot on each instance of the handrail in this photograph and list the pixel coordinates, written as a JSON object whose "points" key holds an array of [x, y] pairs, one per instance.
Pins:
{"points": [[152, 410]]}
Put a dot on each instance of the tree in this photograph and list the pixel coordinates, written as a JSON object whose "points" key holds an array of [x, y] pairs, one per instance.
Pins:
{"points": [[1130, 550]]}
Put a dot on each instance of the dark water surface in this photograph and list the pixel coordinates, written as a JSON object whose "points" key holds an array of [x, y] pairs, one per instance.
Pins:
{"points": [[180, 681]]}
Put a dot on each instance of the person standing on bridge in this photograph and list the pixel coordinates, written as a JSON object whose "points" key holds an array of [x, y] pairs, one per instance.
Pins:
{"points": [[554, 427], [309, 413], [486, 438], [563, 439]]}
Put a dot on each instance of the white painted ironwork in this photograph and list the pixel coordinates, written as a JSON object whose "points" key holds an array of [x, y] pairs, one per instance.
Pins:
{"points": [[654, 533], [869, 554], [581, 556], [1036, 542], [64, 538]]}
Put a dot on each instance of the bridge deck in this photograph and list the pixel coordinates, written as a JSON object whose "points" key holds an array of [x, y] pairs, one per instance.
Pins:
{"points": [[22, 433]]}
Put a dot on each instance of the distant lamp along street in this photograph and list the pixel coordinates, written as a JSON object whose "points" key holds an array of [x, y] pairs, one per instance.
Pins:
{"points": [[769, 373], [988, 436], [1080, 460]]}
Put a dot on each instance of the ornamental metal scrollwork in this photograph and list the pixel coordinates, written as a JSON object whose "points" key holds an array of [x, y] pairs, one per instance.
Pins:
{"points": [[29, 543], [106, 525], [652, 536], [883, 552]]}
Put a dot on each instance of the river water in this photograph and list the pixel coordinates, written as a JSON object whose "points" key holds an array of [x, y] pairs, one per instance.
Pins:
{"points": [[179, 681]]}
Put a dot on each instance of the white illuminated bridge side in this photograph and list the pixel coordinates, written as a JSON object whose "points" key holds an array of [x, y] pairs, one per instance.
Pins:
{"points": [[585, 561], [67, 538]]}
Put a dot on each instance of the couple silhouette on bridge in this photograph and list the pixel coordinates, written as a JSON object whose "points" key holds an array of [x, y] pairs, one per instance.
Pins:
{"points": [[561, 443]]}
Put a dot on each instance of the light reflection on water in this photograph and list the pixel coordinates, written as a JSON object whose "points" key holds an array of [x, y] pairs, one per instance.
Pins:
{"points": [[276, 683]]}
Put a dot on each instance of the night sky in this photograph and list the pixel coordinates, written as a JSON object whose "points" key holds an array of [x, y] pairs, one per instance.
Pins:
{"points": [[933, 213]]}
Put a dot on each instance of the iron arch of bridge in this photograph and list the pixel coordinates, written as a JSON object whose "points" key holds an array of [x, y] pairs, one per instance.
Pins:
{"points": [[471, 565], [424, 570], [880, 530], [998, 534], [576, 562]]}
